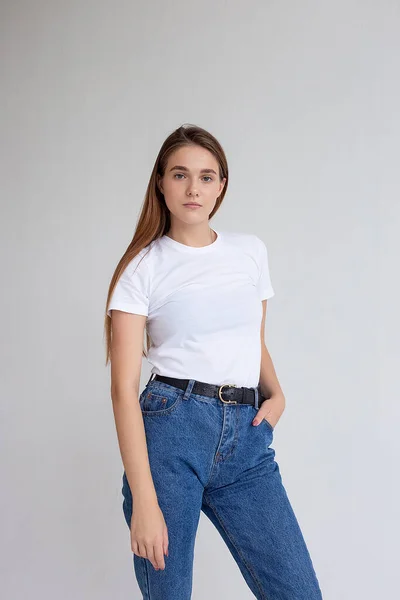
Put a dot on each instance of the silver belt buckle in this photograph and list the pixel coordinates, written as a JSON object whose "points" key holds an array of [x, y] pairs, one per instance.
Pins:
{"points": [[219, 393]]}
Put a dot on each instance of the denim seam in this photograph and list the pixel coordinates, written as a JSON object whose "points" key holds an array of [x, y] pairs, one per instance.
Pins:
{"points": [[234, 441], [146, 578], [233, 446], [214, 462], [256, 581], [129, 504]]}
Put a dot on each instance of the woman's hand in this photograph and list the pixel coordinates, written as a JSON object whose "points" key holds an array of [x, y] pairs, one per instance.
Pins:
{"points": [[149, 534], [271, 410]]}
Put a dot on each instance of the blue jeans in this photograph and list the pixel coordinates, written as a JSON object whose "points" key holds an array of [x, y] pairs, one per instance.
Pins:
{"points": [[207, 456]]}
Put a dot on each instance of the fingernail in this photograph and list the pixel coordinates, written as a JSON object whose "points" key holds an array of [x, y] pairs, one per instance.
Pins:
{"points": [[255, 422]]}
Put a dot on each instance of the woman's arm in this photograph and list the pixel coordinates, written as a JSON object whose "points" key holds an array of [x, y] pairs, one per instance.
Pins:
{"points": [[149, 534], [126, 362], [269, 384]]}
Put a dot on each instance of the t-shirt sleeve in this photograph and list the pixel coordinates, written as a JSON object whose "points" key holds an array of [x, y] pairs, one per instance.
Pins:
{"points": [[131, 292], [264, 284]]}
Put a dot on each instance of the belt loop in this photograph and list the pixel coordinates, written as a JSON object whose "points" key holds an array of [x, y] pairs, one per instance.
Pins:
{"points": [[189, 388], [256, 397], [152, 375]]}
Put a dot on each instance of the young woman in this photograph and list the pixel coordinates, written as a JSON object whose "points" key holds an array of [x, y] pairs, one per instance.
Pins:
{"points": [[198, 437]]}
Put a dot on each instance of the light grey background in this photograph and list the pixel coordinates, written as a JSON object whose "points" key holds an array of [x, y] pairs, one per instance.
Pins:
{"points": [[304, 97]]}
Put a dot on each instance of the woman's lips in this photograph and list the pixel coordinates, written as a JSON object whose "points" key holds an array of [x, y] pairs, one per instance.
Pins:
{"points": [[190, 205]]}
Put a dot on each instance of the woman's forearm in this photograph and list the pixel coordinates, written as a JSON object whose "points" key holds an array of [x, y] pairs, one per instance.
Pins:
{"points": [[133, 446], [268, 379]]}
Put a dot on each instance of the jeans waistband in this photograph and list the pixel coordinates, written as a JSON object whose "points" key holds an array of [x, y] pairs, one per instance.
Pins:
{"points": [[227, 392]]}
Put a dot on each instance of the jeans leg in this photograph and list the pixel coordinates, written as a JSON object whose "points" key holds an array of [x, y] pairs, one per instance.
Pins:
{"points": [[248, 504], [174, 465], [181, 510]]}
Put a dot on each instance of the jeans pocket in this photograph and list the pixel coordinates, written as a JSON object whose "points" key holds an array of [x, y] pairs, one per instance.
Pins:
{"points": [[268, 424], [264, 421], [159, 401]]}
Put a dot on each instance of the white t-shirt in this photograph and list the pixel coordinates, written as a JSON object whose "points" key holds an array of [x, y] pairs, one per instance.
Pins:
{"points": [[203, 306]]}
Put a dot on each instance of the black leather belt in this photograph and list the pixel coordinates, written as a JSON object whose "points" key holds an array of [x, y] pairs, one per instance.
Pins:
{"points": [[227, 392]]}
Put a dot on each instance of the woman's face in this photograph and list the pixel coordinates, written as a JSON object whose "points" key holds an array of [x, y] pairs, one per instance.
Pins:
{"points": [[191, 174]]}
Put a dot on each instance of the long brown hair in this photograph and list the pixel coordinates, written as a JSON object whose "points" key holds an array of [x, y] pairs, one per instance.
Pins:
{"points": [[154, 218]]}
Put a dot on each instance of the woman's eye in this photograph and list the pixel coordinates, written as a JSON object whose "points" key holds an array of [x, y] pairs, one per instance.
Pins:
{"points": [[179, 175]]}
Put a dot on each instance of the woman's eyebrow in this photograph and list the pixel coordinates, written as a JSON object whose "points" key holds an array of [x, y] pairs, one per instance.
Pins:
{"points": [[182, 168]]}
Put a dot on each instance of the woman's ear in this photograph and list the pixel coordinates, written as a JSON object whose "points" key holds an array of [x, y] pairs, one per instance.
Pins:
{"points": [[159, 184]]}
